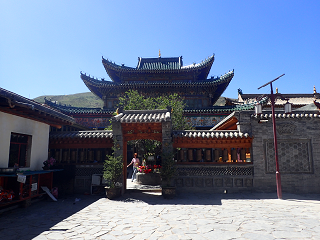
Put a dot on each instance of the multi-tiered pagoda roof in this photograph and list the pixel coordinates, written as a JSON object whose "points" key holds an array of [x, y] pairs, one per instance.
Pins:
{"points": [[158, 69], [154, 77], [160, 76]]}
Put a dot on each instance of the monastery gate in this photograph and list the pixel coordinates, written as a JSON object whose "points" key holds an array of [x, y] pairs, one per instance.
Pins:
{"points": [[141, 124]]}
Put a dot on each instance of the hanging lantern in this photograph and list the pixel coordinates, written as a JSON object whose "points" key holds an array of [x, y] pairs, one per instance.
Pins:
{"points": [[258, 109], [287, 107]]}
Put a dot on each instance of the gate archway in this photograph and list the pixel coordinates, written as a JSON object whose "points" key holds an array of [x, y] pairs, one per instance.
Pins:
{"points": [[141, 124]]}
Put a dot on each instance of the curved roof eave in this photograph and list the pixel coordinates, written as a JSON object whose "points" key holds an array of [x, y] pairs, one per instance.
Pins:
{"points": [[122, 68], [92, 82], [32, 108]]}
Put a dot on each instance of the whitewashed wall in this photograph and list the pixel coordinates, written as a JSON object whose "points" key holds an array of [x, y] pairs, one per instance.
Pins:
{"points": [[40, 139]]}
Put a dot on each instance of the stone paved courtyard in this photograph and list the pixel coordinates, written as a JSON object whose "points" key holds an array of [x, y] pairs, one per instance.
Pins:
{"points": [[146, 215]]}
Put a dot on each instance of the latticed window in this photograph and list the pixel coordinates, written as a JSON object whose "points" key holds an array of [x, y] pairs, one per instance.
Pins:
{"points": [[20, 146]]}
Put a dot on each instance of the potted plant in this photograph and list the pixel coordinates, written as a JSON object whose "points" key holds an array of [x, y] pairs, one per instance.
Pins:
{"points": [[48, 163], [112, 172], [149, 175], [167, 173]]}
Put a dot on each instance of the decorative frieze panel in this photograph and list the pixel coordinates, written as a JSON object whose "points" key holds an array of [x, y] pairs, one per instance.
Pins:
{"points": [[188, 182], [218, 182], [215, 171], [238, 182], [228, 182], [214, 183], [204, 121], [248, 182], [294, 156], [133, 131], [179, 182], [198, 182], [208, 182], [93, 122]]}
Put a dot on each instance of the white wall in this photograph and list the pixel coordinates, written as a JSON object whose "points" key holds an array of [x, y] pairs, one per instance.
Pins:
{"points": [[40, 139]]}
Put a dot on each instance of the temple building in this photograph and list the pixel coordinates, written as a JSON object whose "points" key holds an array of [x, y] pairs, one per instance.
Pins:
{"points": [[231, 149], [155, 77], [160, 76]]}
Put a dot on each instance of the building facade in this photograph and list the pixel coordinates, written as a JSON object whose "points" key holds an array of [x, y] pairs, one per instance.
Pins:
{"points": [[232, 148], [155, 77], [24, 142]]}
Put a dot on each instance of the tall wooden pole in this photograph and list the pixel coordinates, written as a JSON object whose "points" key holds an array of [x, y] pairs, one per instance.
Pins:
{"points": [[278, 177], [272, 98]]}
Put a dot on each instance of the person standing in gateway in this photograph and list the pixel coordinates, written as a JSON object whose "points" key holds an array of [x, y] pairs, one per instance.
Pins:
{"points": [[136, 163]]}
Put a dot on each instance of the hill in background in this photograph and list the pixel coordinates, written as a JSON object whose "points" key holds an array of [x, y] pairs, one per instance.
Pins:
{"points": [[89, 100]]}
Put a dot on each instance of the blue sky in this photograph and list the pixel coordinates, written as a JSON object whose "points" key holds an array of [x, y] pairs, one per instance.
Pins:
{"points": [[45, 44]]}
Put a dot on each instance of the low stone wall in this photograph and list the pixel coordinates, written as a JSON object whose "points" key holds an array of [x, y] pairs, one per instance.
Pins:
{"points": [[193, 178], [149, 178], [230, 178]]}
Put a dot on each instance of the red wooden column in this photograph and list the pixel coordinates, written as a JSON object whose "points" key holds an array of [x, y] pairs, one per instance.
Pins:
{"points": [[124, 150]]}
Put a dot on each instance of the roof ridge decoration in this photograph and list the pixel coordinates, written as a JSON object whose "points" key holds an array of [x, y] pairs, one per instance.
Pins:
{"points": [[142, 116], [317, 104], [172, 66], [82, 134], [160, 63], [160, 60], [295, 114], [210, 134], [297, 99]]}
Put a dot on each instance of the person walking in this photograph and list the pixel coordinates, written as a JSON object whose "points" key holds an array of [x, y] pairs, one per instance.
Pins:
{"points": [[136, 163]]}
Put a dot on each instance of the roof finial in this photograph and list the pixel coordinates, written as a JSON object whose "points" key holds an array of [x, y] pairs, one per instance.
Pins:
{"points": [[159, 54], [277, 90], [314, 89]]}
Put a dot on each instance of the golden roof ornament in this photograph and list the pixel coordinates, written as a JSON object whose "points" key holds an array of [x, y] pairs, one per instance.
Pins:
{"points": [[159, 54], [277, 90], [314, 89]]}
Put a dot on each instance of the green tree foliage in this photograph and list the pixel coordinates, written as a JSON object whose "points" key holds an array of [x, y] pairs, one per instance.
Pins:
{"points": [[168, 168], [112, 169], [146, 146], [135, 101]]}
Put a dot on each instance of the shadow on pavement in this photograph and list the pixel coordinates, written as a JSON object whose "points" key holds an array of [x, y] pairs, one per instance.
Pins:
{"points": [[195, 198], [27, 223], [155, 198]]}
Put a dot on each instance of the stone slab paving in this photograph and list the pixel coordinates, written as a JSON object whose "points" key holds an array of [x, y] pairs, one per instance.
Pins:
{"points": [[146, 215], [136, 186]]}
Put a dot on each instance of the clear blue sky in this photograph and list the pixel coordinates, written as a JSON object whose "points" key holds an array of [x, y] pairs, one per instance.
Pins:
{"points": [[45, 44]]}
